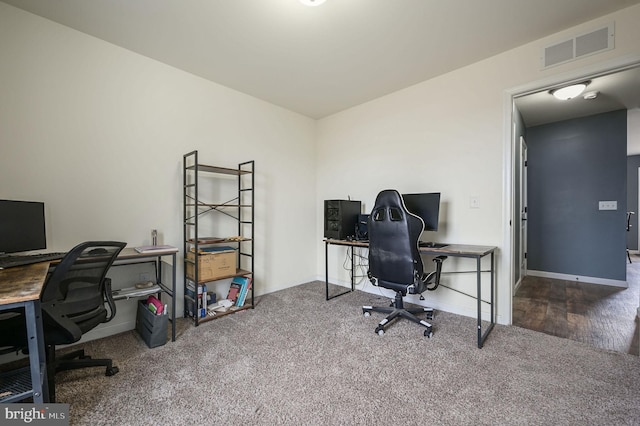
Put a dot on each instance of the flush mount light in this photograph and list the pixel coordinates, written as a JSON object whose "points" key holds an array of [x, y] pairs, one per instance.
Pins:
{"points": [[312, 2], [569, 92]]}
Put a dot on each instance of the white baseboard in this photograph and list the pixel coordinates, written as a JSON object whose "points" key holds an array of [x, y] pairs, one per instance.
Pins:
{"points": [[578, 278]]}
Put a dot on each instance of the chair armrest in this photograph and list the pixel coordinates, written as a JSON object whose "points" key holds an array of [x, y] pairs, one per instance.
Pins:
{"points": [[108, 297], [435, 275]]}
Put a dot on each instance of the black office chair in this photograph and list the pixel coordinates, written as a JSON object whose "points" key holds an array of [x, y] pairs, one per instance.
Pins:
{"points": [[394, 259], [73, 302]]}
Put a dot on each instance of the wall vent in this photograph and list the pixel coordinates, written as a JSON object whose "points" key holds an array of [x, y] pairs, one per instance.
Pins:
{"points": [[578, 47]]}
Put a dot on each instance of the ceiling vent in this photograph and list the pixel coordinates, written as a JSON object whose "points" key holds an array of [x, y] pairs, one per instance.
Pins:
{"points": [[578, 47]]}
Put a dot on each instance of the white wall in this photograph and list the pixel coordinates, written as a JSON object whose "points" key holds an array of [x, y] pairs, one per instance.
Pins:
{"points": [[98, 133], [450, 134]]}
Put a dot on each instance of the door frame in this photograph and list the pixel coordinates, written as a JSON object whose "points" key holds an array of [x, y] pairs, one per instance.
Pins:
{"points": [[523, 209], [509, 158]]}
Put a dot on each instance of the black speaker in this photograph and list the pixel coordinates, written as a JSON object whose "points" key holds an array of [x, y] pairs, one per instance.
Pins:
{"points": [[340, 218], [362, 227]]}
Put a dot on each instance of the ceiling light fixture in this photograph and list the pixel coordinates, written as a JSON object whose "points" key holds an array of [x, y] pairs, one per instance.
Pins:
{"points": [[569, 92], [312, 2]]}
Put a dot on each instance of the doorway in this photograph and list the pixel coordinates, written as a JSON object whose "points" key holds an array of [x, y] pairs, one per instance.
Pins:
{"points": [[540, 292]]}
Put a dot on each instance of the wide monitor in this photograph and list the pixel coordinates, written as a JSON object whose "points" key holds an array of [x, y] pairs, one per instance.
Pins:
{"points": [[426, 206], [22, 226]]}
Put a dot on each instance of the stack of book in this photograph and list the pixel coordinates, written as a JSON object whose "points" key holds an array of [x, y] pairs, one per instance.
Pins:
{"points": [[198, 304], [238, 290]]}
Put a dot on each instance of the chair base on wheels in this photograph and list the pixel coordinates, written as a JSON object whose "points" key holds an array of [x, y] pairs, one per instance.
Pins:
{"points": [[73, 361], [397, 310]]}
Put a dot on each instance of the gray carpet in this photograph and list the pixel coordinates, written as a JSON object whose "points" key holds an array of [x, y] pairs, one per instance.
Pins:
{"points": [[298, 359]]}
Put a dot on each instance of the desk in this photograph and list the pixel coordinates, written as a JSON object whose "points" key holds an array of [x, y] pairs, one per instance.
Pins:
{"points": [[453, 250], [130, 256], [21, 287]]}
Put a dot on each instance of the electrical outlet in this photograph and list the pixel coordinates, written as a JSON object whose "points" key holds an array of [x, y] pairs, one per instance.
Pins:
{"points": [[607, 205]]}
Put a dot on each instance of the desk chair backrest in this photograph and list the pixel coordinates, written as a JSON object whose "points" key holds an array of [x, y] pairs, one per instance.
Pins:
{"points": [[74, 295], [394, 234]]}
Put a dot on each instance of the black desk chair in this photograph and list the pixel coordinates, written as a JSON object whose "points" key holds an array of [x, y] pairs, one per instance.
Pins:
{"points": [[73, 302], [394, 259]]}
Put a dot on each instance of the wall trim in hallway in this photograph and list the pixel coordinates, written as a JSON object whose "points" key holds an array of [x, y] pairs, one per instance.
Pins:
{"points": [[568, 277]]}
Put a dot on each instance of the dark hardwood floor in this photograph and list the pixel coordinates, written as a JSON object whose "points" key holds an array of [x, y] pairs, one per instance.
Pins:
{"points": [[599, 315]]}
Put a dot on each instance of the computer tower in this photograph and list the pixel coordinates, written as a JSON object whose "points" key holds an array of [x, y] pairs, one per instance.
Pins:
{"points": [[362, 227], [340, 218]]}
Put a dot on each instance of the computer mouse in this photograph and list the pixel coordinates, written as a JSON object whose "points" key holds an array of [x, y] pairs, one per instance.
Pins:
{"points": [[98, 250]]}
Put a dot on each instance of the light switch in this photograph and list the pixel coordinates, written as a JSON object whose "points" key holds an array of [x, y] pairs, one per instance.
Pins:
{"points": [[474, 202], [607, 205]]}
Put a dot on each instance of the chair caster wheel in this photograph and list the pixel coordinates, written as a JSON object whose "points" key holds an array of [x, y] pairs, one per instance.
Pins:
{"points": [[111, 371], [380, 331], [428, 333], [367, 314]]}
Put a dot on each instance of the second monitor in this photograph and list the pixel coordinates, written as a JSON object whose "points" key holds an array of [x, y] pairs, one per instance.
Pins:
{"points": [[426, 206]]}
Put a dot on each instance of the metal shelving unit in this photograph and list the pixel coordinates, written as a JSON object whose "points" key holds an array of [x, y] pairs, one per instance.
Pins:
{"points": [[198, 207]]}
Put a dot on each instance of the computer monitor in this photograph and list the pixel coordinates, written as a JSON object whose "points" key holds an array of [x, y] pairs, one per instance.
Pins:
{"points": [[22, 226], [426, 206]]}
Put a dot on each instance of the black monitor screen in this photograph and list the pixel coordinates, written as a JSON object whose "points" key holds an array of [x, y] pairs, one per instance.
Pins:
{"points": [[427, 206], [21, 226]]}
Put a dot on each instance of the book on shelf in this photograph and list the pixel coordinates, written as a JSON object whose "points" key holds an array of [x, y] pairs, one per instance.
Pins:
{"points": [[199, 303], [153, 249], [234, 289], [246, 286]]}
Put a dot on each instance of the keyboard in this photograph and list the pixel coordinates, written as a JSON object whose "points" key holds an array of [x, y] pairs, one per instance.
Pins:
{"points": [[29, 259], [429, 244]]}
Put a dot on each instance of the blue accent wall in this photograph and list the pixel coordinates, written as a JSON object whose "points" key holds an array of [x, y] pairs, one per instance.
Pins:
{"points": [[572, 166]]}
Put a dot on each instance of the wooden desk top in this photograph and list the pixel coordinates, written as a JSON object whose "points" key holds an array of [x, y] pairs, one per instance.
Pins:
{"points": [[450, 249], [22, 283], [459, 249]]}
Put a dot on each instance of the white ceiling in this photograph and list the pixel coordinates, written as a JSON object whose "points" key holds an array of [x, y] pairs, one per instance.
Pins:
{"points": [[324, 59], [618, 90]]}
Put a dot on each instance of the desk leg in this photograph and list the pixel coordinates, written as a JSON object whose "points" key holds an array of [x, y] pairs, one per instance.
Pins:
{"points": [[38, 363], [479, 284], [326, 273], [353, 272], [173, 298], [483, 337], [326, 270], [173, 290]]}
